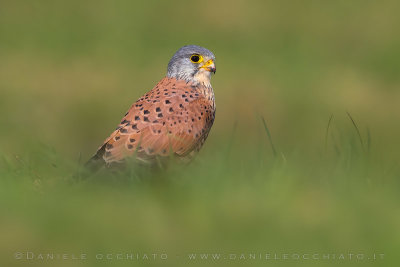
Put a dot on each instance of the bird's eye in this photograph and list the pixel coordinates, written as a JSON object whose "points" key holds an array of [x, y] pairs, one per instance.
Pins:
{"points": [[196, 58]]}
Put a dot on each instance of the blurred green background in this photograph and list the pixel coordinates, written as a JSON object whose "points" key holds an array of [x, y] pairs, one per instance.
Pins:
{"points": [[69, 70]]}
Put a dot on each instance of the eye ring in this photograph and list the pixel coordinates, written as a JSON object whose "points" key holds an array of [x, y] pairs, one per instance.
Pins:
{"points": [[196, 58]]}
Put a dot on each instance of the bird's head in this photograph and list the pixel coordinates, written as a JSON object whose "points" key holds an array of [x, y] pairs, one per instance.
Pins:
{"points": [[192, 63]]}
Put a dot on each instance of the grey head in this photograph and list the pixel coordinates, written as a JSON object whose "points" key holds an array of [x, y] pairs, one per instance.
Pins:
{"points": [[192, 63]]}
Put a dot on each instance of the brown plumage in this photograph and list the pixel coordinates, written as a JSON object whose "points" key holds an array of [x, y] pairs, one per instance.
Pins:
{"points": [[174, 118]]}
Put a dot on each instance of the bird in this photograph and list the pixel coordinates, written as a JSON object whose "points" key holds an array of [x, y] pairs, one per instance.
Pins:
{"points": [[172, 119]]}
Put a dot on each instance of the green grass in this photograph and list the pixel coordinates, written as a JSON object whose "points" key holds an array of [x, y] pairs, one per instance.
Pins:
{"points": [[303, 156], [241, 199]]}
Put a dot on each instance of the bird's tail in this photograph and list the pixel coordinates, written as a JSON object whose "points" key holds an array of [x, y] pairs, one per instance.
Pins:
{"points": [[93, 165]]}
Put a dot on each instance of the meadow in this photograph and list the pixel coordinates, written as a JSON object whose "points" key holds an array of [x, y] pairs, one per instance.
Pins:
{"points": [[303, 157]]}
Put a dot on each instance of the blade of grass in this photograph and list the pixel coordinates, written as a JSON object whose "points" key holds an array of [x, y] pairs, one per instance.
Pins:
{"points": [[327, 132], [357, 130], [269, 135]]}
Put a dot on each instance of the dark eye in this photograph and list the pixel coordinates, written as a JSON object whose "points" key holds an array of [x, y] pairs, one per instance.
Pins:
{"points": [[196, 58]]}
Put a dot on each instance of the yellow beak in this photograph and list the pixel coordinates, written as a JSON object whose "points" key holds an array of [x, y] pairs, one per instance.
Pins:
{"points": [[210, 66]]}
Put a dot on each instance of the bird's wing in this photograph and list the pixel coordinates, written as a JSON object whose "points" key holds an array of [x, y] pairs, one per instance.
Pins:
{"points": [[170, 119]]}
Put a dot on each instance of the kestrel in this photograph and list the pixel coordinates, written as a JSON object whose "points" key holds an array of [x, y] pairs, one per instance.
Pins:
{"points": [[174, 118]]}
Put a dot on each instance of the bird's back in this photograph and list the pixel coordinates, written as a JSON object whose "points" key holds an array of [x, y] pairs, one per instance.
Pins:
{"points": [[174, 118]]}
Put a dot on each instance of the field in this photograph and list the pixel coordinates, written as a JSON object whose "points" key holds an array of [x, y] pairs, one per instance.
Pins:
{"points": [[303, 158]]}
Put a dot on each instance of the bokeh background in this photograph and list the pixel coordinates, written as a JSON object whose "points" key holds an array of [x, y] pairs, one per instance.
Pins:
{"points": [[303, 156]]}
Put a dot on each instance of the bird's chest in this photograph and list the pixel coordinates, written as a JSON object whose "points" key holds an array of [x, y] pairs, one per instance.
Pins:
{"points": [[209, 96], [208, 93]]}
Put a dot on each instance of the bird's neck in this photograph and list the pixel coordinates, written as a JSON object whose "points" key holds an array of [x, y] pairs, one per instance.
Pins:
{"points": [[202, 87], [200, 78], [207, 91], [203, 78]]}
